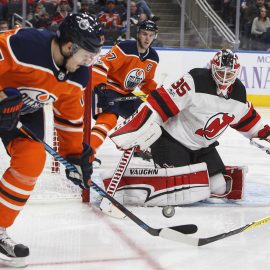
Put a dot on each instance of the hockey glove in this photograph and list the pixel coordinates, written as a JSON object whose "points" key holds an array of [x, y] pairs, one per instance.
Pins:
{"points": [[10, 105], [264, 133], [83, 164], [101, 97]]}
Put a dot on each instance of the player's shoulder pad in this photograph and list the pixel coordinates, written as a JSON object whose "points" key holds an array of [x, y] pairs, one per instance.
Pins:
{"points": [[128, 47], [32, 46], [80, 76], [239, 92], [203, 81], [153, 55]]}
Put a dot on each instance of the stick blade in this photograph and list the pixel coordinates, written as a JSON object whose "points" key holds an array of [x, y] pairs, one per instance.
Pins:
{"points": [[185, 229], [177, 236]]}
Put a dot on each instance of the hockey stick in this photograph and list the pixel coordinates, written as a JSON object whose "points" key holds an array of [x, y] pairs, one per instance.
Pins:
{"points": [[195, 241], [106, 206], [175, 233], [180, 229], [260, 146], [120, 99]]}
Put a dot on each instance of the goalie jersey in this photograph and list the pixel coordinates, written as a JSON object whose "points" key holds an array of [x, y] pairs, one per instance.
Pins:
{"points": [[27, 64], [193, 113], [123, 68]]}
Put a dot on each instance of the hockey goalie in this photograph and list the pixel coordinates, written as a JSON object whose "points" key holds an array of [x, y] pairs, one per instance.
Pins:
{"points": [[181, 124]]}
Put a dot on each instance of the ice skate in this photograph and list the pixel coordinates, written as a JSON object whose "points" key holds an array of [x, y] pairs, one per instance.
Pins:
{"points": [[11, 253]]}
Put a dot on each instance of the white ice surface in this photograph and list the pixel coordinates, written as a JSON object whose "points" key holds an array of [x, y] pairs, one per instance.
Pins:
{"points": [[72, 235]]}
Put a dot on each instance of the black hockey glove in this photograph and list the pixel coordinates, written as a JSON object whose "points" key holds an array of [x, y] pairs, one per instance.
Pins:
{"points": [[10, 105], [84, 167], [264, 133], [101, 97]]}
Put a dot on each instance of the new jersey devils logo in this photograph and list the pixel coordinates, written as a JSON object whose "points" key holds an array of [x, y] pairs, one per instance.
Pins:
{"points": [[215, 126]]}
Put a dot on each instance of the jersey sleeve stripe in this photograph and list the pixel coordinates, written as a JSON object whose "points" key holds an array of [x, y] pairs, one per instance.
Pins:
{"points": [[162, 103], [248, 121], [99, 72], [98, 67], [69, 129]]}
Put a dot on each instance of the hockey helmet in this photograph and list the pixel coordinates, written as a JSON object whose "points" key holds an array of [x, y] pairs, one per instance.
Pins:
{"points": [[82, 30], [225, 68], [149, 26]]}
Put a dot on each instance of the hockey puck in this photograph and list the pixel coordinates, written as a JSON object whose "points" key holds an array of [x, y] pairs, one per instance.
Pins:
{"points": [[168, 211]]}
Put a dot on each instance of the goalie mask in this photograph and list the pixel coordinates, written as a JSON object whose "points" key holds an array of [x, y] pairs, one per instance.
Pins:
{"points": [[225, 68]]}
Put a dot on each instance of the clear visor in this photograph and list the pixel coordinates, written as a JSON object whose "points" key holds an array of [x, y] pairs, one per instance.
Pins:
{"points": [[85, 58]]}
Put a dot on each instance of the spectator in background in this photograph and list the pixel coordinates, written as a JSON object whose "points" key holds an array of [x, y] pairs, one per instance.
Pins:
{"points": [[50, 6], [4, 25], [62, 12], [41, 18], [3, 9], [249, 10], [259, 29], [111, 22], [88, 7], [141, 4], [267, 6], [109, 17], [135, 12]]}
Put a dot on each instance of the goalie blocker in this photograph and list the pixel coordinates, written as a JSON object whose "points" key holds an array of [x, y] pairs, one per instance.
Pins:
{"points": [[173, 186]]}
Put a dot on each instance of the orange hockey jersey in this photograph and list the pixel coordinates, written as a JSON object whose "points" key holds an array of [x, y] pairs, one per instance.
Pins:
{"points": [[26, 63], [123, 69]]}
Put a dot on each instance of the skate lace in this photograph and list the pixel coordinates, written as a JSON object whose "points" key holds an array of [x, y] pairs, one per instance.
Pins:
{"points": [[5, 239]]}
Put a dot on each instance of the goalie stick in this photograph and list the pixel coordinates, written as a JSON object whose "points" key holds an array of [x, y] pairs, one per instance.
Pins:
{"points": [[195, 241], [175, 233], [260, 146], [180, 229], [106, 206]]}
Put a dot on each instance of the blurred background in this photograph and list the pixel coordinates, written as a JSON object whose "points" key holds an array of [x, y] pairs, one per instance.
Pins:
{"points": [[209, 24]]}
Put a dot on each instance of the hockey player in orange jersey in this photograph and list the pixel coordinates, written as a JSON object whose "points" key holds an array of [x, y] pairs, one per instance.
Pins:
{"points": [[127, 65], [37, 68]]}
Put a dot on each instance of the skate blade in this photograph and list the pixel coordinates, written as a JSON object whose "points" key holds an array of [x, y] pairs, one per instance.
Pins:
{"points": [[14, 262]]}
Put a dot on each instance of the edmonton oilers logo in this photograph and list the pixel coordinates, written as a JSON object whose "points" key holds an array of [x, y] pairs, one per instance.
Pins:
{"points": [[134, 78], [84, 24]]}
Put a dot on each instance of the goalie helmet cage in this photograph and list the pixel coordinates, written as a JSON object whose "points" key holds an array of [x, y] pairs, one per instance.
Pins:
{"points": [[52, 184]]}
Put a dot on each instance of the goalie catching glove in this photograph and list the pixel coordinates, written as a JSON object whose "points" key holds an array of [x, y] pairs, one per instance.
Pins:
{"points": [[83, 164], [140, 129]]}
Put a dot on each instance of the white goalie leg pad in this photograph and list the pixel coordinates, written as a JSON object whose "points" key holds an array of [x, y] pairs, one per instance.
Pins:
{"points": [[141, 129], [162, 187]]}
